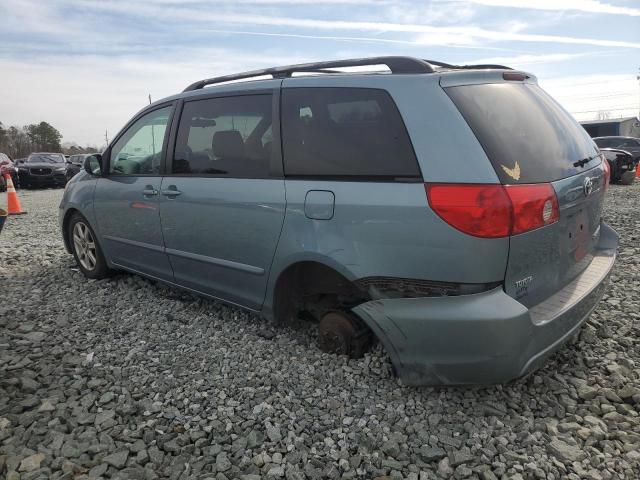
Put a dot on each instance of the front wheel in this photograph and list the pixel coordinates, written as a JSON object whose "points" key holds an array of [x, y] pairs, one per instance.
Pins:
{"points": [[86, 249]]}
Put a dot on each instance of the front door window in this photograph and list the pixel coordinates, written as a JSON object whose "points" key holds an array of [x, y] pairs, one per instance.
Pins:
{"points": [[139, 150]]}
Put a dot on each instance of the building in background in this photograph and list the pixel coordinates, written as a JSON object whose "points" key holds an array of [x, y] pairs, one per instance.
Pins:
{"points": [[623, 127]]}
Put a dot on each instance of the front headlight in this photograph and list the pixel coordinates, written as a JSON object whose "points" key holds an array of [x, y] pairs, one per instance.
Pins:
{"points": [[59, 169], [23, 169]]}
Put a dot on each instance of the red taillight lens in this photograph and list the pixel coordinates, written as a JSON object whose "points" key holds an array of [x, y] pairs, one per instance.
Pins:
{"points": [[607, 172], [533, 206], [479, 210], [493, 211]]}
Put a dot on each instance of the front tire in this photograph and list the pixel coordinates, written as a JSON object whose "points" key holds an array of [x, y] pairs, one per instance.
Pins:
{"points": [[86, 249]]}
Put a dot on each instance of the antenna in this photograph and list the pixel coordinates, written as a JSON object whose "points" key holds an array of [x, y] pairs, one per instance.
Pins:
{"points": [[106, 137], [149, 99]]}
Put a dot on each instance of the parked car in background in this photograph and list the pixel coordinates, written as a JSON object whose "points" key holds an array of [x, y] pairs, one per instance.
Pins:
{"points": [[623, 165], [628, 144], [406, 205], [43, 170], [74, 164], [7, 166]]}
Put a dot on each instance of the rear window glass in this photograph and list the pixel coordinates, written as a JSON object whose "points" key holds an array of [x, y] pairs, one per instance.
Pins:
{"points": [[527, 136], [345, 132]]}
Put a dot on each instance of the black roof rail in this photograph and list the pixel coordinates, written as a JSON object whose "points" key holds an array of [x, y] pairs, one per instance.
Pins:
{"points": [[486, 66], [395, 64]]}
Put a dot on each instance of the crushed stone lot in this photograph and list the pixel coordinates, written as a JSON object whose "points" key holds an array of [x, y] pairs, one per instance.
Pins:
{"points": [[126, 378]]}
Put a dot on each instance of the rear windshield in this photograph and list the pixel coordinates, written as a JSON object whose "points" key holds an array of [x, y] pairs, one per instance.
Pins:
{"points": [[527, 136]]}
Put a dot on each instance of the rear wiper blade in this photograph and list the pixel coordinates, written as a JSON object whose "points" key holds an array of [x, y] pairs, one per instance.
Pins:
{"points": [[584, 161]]}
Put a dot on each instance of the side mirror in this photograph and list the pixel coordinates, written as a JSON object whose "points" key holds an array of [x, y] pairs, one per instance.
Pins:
{"points": [[93, 164]]}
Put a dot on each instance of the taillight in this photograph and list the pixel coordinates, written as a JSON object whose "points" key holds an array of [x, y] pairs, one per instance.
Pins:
{"points": [[479, 210], [494, 211], [534, 206], [607, 172]]}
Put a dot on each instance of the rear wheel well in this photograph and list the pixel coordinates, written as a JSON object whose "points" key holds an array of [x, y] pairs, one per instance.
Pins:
{"points": [[311, 289]]}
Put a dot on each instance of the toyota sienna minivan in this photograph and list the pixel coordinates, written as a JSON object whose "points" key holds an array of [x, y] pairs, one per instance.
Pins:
{"points": [[453, 213]]}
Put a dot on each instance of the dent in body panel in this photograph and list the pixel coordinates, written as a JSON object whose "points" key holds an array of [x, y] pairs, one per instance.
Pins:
{"points": [[487, 337], [449, 340]]}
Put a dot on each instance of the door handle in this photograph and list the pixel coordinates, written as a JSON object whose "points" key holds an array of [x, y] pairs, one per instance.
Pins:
{"points": [[171, 191], [149, 191]]}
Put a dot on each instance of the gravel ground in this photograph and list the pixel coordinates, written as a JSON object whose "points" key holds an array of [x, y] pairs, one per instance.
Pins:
{"points": [[125, 378]]}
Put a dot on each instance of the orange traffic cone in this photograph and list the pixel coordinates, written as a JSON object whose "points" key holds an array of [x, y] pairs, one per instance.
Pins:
{"points": [[13, 202]]}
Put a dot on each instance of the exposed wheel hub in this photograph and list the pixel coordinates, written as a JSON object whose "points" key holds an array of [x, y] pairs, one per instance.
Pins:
{"points": [[343, 334]]}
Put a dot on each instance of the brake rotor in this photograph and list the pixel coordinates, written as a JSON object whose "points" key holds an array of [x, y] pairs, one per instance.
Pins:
{"points": [[342, 334]]}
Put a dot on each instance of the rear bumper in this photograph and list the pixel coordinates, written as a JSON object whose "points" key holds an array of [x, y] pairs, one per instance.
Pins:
{"points": [[487, 337]]}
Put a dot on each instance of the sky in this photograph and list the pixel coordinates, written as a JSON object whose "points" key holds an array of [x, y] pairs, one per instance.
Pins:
{"points": [[87, 66]]}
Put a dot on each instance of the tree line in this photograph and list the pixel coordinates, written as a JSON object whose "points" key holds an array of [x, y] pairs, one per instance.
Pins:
{"points": [[19, 142]]}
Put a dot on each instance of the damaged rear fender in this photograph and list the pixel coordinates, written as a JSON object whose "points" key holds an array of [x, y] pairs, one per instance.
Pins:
{"points": [[467, 339]]}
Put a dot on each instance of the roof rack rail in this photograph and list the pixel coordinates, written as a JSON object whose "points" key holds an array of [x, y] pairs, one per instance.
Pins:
{"points": [[395, 64], [481, 66]]}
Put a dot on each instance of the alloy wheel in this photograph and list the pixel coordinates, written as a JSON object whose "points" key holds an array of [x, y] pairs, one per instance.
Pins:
{"points": [[85, 245]]}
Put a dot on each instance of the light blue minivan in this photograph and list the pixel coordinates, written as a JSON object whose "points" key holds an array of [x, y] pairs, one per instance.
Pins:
{"points": [[454, 213]]}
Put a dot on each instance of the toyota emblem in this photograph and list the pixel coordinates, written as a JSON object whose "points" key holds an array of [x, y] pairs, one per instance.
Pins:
{"points": [[587, 186]]}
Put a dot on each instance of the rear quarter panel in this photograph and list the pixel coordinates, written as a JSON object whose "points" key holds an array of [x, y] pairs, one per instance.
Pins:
{"points": [[383, 229], [388, 229]]}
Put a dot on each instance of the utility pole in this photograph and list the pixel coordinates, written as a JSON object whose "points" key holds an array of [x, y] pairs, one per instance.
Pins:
{"points": [[153, 134], [638, 78], [106, 138]]}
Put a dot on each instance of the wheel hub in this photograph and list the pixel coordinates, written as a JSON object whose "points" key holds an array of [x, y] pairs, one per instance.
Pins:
{"points": [[343, 334]]}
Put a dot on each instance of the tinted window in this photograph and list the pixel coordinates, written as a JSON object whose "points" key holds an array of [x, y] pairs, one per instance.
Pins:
{"points": [[344, 132], [603, 142], [225, 136], [629, 143], [45, 158], [139, 150], [527, 136]]}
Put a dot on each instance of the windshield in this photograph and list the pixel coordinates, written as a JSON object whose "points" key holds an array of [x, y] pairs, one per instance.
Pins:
{"points": [[528, 137], [46, 158]]}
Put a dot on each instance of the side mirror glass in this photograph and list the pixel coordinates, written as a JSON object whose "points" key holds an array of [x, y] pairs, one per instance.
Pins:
{"points": [[93, 164]]}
